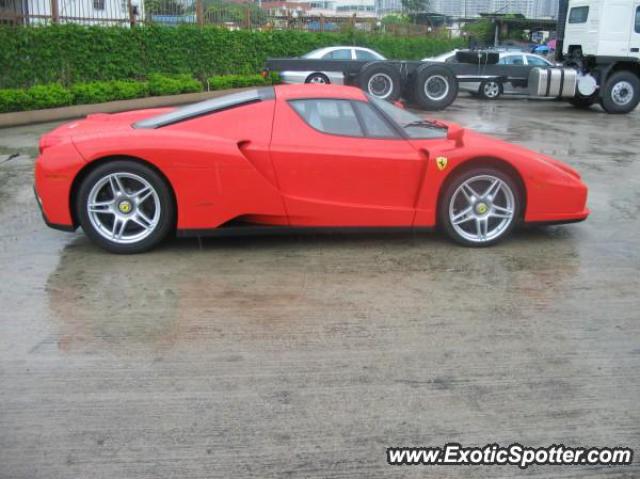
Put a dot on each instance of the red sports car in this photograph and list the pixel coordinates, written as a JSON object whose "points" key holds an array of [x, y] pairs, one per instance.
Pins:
{"points": [[305, 156]]}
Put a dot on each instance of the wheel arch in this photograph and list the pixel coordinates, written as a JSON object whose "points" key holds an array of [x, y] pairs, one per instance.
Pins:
{"points": [[633, 67], [89, 167], [491, 162]]}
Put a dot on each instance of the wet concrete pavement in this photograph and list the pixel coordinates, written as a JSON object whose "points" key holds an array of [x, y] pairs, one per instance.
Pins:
{"points": [[306, 356]]}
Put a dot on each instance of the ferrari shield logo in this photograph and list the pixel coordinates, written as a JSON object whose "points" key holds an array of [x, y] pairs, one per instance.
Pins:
{"points": [[441, 161]]}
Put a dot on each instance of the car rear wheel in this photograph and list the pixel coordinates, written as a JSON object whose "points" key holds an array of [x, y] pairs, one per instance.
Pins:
{"points": [[490, 90], [318, 78], [480, 207], [125, 207]]}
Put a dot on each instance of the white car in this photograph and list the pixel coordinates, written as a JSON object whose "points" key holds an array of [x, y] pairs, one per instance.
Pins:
{"points": [[329, 53], [493, 89]]}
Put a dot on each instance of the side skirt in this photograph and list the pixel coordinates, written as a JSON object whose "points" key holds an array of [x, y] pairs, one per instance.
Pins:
{"points": [[253, 230], [557, 222]]}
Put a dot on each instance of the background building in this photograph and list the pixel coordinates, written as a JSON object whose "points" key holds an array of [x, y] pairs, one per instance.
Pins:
{"points": [[473, 8]]}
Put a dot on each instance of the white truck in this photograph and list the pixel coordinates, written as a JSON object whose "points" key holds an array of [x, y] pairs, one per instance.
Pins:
{"points": [[599, 47]]}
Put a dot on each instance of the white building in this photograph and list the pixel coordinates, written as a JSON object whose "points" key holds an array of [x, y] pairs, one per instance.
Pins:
{"points": [[340, 8], [473, 8], [85, 12]]}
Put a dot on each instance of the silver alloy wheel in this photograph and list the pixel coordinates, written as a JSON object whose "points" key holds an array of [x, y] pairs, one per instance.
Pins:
{"points": [[622, 93], [482, 208], [491, 89], [123, 208], [380, 85], [436, 87], [317, 78]]}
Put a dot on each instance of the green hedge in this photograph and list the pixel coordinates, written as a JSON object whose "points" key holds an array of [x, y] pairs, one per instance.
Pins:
{"points": [[224, 82], [103, 91], [54, 95], [70, 54]]}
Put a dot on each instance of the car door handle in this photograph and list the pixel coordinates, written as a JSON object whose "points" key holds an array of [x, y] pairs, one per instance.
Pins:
{"points": [[635, 50]]}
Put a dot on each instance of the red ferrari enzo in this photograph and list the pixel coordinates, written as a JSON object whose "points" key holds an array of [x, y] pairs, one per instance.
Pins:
{"points": [[305, 156]]}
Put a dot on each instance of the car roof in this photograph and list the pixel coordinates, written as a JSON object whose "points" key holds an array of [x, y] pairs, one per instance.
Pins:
{"points": [[315, 90]]}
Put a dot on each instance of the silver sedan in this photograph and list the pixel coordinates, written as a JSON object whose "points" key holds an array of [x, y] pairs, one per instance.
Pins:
{"points": [[329, 53]]}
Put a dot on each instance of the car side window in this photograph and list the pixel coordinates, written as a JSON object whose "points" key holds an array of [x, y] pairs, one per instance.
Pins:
{"points": [[374, 125], [512, 60], [365, 55], [579, 15], [342, 54], [533, 60], [638, 20], [336, 117]]}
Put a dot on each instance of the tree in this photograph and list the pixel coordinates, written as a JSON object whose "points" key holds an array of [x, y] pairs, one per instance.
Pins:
{"points": [[395, 19], [166, 7], [481, 31], [413, 7]]}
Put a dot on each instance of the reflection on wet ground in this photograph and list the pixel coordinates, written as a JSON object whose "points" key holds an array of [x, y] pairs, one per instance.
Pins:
{"points": [[306, 356]]}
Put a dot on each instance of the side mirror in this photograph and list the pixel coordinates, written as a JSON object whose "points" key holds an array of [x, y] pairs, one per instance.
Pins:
{"points": [[455, 133]]}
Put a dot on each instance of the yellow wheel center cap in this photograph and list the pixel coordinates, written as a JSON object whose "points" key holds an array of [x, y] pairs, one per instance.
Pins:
{"points": [[481, 208], [124, 206]]}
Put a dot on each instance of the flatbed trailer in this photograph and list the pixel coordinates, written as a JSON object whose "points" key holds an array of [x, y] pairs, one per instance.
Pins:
{"points": [[431, 85]]}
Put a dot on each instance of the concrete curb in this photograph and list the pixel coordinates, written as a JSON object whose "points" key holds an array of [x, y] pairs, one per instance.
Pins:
{"points": [[68, 112]]}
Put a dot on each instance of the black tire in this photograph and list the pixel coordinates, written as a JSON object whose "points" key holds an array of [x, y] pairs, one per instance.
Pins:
{"points": [[380, 80], [490, 90], [318, 78], [435, 87], [166, 217], [623, 85], [582, 102], [452, 186]]}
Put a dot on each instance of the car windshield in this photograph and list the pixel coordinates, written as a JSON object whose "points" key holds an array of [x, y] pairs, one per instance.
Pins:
{"points": [[414, 126]]}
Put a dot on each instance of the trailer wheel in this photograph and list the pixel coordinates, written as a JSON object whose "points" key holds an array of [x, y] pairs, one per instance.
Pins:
{"points": [[621, 92], [435, 87], [381, 81]]}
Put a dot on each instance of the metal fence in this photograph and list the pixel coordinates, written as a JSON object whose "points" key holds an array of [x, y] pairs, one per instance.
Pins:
{"points": [[280, 15]]}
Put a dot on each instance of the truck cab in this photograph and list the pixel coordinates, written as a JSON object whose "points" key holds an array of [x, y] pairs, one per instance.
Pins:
{"points": [[603, 28], [601, 40]]}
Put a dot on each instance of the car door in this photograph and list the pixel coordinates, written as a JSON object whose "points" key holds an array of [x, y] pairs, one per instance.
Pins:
{"points": [[337, 54], [340, 163], [516, 74]]}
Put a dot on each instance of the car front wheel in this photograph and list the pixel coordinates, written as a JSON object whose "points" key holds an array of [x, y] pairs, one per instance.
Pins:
{"points": [[125, 207], [480, 207], [490, 90]]}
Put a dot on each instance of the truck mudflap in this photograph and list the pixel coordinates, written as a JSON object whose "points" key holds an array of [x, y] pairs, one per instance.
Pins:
{"points": [[553, 82]]}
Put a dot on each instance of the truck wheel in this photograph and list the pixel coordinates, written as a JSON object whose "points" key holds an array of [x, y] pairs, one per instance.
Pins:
{"points": [[621, 92], [382, 81], [490, 89], [435, 87], [583, 102]]}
